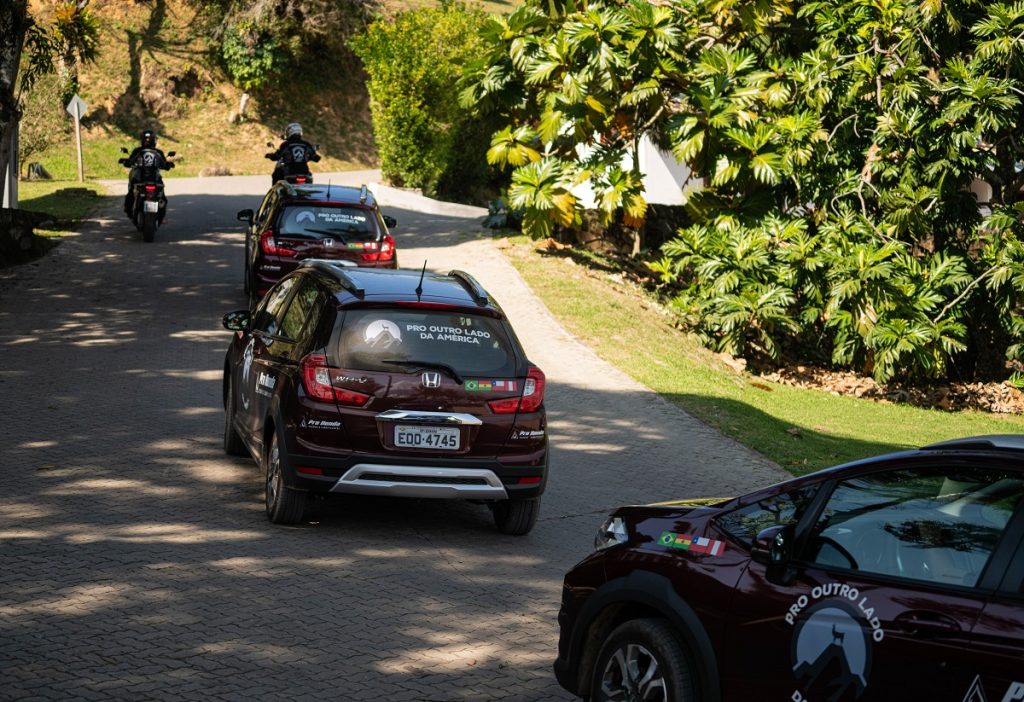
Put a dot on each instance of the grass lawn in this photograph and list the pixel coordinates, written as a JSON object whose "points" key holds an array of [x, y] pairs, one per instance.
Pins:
{"points": [[77, 202], [802, 430]]}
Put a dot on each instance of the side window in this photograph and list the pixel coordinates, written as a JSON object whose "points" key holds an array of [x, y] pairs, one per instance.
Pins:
{"points": [[303, 312], [265, 208], [268, 312], [778, 510], [937, 525]]}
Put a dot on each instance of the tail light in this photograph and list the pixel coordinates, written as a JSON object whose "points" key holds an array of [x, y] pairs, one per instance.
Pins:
{"points": [[270, 247], [300, 179], [150, 188], [531, 399], [533, 390], [387, 250], [316, 379]]}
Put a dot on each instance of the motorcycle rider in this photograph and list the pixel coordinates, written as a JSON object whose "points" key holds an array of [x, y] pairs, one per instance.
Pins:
{"points": [[292, 151], [139, 161]]}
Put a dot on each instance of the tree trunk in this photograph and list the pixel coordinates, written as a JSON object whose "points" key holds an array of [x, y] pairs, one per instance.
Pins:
{"points": [[14, 22]]}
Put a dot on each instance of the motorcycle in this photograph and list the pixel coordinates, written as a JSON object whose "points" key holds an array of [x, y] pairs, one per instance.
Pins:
{"points": [[149, 205], [293, 166]]}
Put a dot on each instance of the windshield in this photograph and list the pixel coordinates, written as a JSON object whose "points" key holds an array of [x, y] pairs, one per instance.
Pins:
{"points": [[396, 341], [346, 224]]}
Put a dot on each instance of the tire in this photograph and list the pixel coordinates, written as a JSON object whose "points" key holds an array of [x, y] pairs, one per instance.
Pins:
{"points": [[148, 226], [516, 517], [284, 505], [642, 659], [233, 444]]}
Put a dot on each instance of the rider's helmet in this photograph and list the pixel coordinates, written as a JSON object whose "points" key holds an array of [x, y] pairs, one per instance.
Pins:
{"points": [[293, 130], [148, 139]]}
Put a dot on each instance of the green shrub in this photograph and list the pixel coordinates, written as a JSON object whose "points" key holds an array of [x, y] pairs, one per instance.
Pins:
{"points": [[414, 61], [251, 55]]}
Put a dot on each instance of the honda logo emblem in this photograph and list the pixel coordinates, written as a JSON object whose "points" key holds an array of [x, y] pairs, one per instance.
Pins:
{"points": [[431, 380], [328, 242]]}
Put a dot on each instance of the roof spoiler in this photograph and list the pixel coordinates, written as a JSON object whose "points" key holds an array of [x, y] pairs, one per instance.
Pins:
{"points": [[336, 269], [475, 290]]}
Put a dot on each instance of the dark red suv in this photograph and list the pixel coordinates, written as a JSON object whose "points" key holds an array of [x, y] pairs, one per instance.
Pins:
{"points": [[300, 221], [894, 578], [385, 382]]}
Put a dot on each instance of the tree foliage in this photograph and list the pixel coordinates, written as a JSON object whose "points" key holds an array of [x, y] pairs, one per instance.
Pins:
{"points": [[413, 60], [29, 46], [837, 142]]}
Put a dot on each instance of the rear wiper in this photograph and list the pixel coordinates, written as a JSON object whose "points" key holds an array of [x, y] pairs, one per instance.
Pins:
{"points": [[426, 364]]}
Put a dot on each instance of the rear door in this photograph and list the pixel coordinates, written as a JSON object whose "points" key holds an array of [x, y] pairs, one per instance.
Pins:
{"points": [[334, 231], [435, 378], [257, 374]]}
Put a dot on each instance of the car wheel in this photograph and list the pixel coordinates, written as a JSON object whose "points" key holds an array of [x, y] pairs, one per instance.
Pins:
{"points": [[642, 660], [516, 517], [284, 505], [233, 445]]}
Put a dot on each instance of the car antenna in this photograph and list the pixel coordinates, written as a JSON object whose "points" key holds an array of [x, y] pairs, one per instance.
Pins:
{"points": [[419, 287]]}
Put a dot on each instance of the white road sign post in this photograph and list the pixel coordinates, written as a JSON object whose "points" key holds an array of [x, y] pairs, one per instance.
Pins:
{"points": [[76, 108]]}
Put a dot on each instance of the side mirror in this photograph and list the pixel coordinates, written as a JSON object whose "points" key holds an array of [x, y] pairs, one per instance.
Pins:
{"points": [[245, 216], [124, 150], [237, 321], [773, 548], [171, 154], [390, 221]]}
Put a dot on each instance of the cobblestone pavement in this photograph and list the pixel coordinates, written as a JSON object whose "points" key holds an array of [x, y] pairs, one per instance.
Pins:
{"points": [[135, 559]]}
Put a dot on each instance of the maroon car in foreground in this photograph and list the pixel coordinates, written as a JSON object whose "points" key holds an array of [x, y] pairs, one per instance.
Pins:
{"points": [[385, 382], [899, 577]]}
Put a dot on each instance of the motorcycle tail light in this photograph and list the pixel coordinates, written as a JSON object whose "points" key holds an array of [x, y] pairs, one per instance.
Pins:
{"points": [[300, 179], [150, 188]]}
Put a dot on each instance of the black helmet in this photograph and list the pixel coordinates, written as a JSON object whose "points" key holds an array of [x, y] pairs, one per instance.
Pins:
{"points": [[148, 139]]}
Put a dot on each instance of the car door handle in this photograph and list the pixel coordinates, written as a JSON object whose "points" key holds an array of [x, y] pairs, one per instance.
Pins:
{"points": [[921, 622]]}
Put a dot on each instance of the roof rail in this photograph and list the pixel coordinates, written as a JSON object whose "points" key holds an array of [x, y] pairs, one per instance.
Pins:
{"points": [[363, 194], [336, 269], [989, 441], [475, 290]]}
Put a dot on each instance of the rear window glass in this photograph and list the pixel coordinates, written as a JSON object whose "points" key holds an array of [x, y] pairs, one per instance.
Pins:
{"points": [[342, 223], [394, 340]]}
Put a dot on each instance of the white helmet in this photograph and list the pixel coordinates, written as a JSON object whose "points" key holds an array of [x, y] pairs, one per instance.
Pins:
{"points": [[293, 129]]}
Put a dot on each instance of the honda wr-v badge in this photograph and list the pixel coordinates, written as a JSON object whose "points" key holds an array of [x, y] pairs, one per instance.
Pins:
{"points": [[431, 380]]}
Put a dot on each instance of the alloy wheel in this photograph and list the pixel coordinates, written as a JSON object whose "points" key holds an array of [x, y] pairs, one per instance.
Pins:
{"points": [[273, 475], [632, 674]]}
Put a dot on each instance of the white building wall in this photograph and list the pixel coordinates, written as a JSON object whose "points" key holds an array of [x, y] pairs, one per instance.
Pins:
{"points": [[663, 176]]}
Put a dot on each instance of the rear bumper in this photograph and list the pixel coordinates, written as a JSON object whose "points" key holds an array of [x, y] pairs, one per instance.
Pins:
{"points": [[421, 481], [367, 474]]}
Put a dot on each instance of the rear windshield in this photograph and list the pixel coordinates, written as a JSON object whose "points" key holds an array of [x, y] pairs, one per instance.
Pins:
{"points": [[393, 341], [328, 221]]}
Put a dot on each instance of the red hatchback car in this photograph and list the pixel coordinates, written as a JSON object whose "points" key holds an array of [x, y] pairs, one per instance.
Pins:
{"points": [[300, 221], [894, 578]]}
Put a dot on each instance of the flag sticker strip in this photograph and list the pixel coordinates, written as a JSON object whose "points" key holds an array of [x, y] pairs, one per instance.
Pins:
{"points": [[693, 544], [491, 385]]}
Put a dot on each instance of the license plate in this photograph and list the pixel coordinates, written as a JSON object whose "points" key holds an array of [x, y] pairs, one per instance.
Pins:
{"points": [[151, 206], [444, 438]]}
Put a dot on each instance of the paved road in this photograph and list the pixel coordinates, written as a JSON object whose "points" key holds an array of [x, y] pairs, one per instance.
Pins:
{"points": [[135, 559]]}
